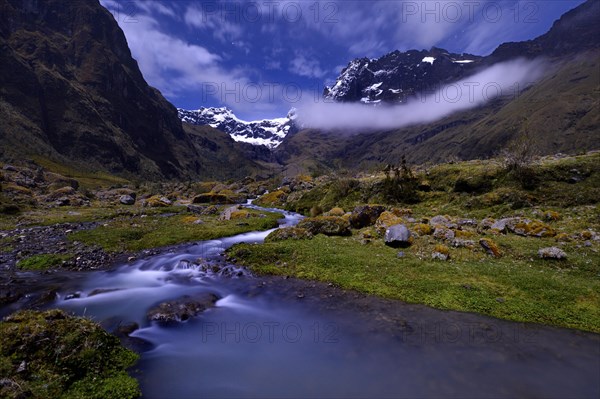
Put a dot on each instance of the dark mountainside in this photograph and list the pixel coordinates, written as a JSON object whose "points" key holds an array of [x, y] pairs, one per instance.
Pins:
{"points": [[71, 91], [558, 114], [222, 158]]}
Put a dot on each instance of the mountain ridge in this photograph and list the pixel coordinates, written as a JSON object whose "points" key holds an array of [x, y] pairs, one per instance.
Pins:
{"points": [[267, 132]]}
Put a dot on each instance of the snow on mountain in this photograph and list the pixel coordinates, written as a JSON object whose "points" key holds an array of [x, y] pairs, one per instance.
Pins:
{"points": [[267, 132], [397, 76]]}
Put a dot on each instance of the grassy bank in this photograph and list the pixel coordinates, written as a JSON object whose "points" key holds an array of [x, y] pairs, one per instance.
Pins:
{"points": [[140, 232]]}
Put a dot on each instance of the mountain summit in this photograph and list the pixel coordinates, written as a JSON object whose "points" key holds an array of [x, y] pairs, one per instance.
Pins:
{"points": [[267, 132], [397, 76]]}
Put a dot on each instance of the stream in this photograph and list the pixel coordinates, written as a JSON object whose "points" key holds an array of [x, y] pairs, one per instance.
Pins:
{"points": [[277, 337]]}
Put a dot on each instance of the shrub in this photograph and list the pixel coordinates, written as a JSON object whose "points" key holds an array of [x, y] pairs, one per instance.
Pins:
{"points": [[518, 158], [400, 184]]}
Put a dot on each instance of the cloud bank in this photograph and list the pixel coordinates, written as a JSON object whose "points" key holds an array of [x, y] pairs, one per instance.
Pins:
{"points": [[504, 79]]}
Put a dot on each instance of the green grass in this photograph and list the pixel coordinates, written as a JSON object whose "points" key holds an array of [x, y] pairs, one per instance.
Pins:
{"points": [[43, 261], [563, 293], [87, 179], [137, 233], [94, 213]]}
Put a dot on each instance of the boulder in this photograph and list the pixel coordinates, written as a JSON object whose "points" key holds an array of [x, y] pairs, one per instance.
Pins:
{"points": [[328, 225], [490, 247], [183, 308], [157, 202], [229, 212], [398, 236], [289, 233], [365, 215], [442, 233], [196, 209], [387, 220], [552, 253], [440, 220], [127, 200]]}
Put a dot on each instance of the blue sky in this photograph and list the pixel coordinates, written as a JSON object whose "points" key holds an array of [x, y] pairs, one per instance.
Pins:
{"points": [[260, 58]]}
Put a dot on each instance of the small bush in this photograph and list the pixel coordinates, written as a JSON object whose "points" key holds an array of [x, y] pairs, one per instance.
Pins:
{"points": [[400, 184]]}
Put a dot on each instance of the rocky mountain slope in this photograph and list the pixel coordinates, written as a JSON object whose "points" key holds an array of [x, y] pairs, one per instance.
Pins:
{"points": [[397, 76], [220, 157], [266, 132], [70, 91]]}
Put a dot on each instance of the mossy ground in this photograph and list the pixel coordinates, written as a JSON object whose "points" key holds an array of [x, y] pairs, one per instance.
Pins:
{"points": [[136, 233], [43, 261], [52, 355]]}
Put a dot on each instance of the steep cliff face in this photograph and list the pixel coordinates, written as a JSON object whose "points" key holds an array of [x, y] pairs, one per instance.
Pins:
{"points": [[70, 90]]}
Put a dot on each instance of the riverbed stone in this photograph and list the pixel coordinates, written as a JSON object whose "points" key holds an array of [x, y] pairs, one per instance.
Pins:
{"points": [[183, 308]]}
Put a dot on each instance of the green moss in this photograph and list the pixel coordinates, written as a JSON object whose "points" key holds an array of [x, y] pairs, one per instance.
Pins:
{"points": [[52, 355], [43, 261], [137, 233], [275, 198]]}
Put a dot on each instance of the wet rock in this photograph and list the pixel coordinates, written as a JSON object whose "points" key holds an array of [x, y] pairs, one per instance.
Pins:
{"points": [[552, 253], [183, 308], [127, 200], [365, 215], [99, 291], [126, 329], [398, 236], [73, 295], [289, 233]]}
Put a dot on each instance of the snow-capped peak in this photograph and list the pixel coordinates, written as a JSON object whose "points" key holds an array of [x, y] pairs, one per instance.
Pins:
{"points": [[267, 132], [398, 75]]}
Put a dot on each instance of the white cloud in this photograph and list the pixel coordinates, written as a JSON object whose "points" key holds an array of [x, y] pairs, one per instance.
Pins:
{"points": [[309, 67], [157, 6], [468, 93], [217, 24]]}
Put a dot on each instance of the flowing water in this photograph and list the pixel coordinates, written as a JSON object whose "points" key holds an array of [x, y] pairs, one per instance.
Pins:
{"points": [[259, 341]]}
